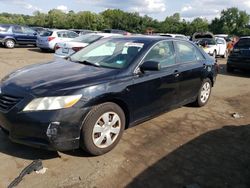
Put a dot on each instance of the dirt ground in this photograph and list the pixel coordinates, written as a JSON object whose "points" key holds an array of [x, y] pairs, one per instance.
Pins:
{"points": [[202, 147]]}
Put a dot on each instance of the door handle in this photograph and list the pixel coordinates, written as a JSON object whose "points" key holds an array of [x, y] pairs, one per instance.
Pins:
{"points": [[176, 73]]}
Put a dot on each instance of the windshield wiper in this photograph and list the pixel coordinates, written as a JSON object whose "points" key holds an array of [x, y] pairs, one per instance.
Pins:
{"points": [[89, 63], [85, 62]]}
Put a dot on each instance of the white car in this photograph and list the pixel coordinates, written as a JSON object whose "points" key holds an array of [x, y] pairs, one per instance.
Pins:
{"points": [[65, 49], [47, 40], [222, 44], [214, 47]]}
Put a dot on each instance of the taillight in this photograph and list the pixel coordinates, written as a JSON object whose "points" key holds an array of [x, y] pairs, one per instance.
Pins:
{"points": [[76, 49], [51, 38], [57, 47]]}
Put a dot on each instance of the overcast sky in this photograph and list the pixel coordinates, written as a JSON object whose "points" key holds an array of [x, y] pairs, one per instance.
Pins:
{"points": [[158, 9]]}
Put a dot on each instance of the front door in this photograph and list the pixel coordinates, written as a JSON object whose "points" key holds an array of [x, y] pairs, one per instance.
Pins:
{"points": [[156, 91]]}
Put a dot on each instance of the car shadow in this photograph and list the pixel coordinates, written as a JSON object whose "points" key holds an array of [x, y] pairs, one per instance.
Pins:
{"points": [[236, 72], [24, 152], [38, 50], [219, 158]]}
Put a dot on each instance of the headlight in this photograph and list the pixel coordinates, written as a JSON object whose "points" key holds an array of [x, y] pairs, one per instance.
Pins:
{"points": [[52, 103]]}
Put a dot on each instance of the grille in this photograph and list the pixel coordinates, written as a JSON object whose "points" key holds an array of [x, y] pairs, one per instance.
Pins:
{"points": [[7, 102]]}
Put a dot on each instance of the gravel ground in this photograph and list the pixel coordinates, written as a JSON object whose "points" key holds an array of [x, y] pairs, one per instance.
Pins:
{"points": [[204, 147]]}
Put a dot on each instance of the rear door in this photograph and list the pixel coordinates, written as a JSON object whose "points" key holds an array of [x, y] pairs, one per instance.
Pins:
{"points": [[19, 35], [191, 66], [31, 35], [156, 91]]}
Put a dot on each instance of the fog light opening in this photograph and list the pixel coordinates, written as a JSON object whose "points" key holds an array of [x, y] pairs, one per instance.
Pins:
{"points": [[52, 129]]}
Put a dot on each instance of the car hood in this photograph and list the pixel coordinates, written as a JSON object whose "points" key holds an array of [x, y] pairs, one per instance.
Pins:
{"points": [[61, 75], [71, 44]]}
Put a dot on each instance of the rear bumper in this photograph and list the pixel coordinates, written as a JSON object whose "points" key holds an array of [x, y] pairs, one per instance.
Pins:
{"points": [[243, 64], [44, 46]]}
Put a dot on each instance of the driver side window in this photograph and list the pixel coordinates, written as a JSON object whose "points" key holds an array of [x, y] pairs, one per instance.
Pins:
{"points": [[163, 52]]}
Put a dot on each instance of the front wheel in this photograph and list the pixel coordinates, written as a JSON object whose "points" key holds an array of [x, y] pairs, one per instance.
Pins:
{"points": [[204, 93], [102, 128], [9, 43]]}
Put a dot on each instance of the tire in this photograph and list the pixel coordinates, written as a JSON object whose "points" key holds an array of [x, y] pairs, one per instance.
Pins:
{"points": [[204, 94], [43, 50], [9, 43], [214, 54], [230, 69], [96, 132]]}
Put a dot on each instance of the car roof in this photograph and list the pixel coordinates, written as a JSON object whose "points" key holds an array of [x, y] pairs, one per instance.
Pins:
{"points": [[149, 38], [105, 34]]}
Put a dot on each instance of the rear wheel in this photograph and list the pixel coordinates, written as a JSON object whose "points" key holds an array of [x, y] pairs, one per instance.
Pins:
{"points": [[103, 128], [9, 43], [204, 93]]}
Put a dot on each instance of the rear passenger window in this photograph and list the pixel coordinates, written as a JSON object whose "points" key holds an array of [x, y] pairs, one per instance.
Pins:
{"points": [[72, 35], [28, 30], [163, 52], [17, 29], [186, 51]]}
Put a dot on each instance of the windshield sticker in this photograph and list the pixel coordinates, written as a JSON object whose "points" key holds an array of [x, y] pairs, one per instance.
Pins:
{"points": [[132, 44]]}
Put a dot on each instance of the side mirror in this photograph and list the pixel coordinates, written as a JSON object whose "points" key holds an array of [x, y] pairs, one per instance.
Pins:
{"points": [[35, 34], [151, 66]]}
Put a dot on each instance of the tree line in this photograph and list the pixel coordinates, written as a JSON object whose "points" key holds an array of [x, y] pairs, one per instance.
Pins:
{"points": [[232, 21]]}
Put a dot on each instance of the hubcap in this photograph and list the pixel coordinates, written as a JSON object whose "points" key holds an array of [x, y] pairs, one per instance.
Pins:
{"points": [[10, 43], [106, 130], [205, 92]]}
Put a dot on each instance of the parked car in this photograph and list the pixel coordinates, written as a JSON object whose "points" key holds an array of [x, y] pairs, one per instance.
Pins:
{"points": [[222, 47], [116, 31], [66, 49], [10, 35], [209, 46], [239, 58], [83, 31], [178, 36], [47, 40], [90, 98]]}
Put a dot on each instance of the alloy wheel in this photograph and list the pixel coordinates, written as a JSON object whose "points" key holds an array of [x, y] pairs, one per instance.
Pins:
{"points": [[205, 92]]}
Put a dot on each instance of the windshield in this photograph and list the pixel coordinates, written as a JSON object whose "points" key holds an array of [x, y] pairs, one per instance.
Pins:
{"points": [[243, 43], [87, 38], [111, 53]]}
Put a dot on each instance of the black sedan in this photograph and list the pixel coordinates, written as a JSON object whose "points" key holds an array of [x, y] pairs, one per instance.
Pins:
{"points": [[88, 99], [240, 56]]}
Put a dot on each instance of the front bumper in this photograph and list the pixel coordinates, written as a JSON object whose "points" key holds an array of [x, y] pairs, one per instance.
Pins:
{"points": [[54, 130]]}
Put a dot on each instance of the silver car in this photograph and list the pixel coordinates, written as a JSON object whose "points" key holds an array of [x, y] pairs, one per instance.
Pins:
{"points": [[47, 40]]}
